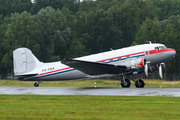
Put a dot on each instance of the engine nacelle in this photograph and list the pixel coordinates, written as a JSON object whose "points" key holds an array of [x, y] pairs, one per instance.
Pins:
{"points": [[138, 64]]}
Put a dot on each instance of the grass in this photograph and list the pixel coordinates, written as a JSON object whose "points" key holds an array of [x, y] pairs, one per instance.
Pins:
{"points": [[88, 107], [55, 107], [90, 83]]}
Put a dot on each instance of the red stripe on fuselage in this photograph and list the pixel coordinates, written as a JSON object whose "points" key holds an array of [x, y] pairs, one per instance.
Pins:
{"points": [[121, 56], [55, 71], [160, 51]]}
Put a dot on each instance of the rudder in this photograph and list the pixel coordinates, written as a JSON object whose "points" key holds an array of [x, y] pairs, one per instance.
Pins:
{"points": [[24, 61]]}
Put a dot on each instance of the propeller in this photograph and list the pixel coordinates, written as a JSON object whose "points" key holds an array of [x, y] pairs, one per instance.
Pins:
{"points": [[146, 67], [160, 70]]}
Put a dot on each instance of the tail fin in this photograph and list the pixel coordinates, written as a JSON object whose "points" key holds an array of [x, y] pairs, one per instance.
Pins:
{"points": [[24, 61]]}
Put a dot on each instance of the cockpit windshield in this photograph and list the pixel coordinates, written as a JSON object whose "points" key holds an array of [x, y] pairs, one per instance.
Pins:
{"points": [[160, 47]]}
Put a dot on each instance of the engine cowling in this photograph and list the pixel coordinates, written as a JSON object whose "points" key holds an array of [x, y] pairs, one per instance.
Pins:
{"points": [[138, 64], [141, 65]]}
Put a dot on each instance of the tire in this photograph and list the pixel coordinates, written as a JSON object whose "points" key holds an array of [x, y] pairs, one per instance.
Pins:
{"points": [[139, 83], [36, 84], [126, 84]]}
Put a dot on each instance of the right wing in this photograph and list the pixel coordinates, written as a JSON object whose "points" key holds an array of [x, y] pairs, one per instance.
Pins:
{"points": [[94, 68]]}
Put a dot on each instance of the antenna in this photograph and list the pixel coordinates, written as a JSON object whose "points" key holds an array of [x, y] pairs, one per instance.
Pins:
{"points": [[149, 42], [111, 49]]}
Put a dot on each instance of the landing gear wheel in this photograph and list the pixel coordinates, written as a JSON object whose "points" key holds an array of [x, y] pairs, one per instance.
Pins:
{"points": [[139, 83], [125, 83], [36, 84]]}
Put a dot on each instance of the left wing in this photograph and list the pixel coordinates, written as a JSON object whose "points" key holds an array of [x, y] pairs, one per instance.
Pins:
{"points": [[94, 68]]}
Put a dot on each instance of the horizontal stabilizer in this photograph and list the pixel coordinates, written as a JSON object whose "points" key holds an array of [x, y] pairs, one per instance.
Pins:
{"points": [[94, 68], [25, 75]]}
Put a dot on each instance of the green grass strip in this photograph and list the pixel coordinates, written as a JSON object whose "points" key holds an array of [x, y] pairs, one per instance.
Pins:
{"points": [[88, 107]]}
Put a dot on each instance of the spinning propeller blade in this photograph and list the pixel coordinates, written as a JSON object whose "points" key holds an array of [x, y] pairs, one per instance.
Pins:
{"points": [[146, 68], [160, 70]]}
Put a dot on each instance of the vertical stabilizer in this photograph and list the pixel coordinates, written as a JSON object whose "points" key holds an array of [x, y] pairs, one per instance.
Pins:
{"points": [[24, 61]]}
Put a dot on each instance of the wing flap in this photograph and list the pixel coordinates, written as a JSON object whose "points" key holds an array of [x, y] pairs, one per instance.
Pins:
{"points": [[94, 68]]}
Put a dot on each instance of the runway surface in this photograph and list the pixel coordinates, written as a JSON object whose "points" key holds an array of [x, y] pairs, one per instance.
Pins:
{"points": [[91, 91]]}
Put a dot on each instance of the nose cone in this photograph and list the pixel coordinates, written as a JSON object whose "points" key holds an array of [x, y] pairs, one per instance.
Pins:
{"points": [[172, 52]]}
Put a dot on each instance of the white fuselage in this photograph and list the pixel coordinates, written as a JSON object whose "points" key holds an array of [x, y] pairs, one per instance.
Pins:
{"points": [[58, 71]]}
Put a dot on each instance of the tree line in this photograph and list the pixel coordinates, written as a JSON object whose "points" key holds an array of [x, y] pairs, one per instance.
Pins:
{"points": [[62, 29]]}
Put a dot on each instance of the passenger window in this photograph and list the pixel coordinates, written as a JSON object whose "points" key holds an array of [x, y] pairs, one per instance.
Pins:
{"points": [[102, 61], [111, 60], [119, 58]]}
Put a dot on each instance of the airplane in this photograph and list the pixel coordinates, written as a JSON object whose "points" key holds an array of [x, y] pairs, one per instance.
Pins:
{"points": [[134, 60]]}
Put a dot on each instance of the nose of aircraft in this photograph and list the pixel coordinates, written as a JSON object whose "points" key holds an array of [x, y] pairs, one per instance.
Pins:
{"points": [[172, 52]]}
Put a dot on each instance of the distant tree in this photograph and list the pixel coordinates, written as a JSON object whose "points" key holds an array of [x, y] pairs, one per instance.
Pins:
{"points": [[99, 26], [170, 30], [167, 8], [169, 36], [169, 39], [23, 5], [174, 20], [11, 6], [53, 34], [18, 34], [146, 8], [72, 5], [70, 19], [3, 28], [76, 49], [150, 30]]}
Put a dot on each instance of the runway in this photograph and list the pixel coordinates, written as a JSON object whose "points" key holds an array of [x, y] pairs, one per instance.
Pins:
{"points": [[90, 91]]}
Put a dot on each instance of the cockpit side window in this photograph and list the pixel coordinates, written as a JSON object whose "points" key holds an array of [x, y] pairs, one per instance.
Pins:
{"points": [[156, 48], [160, 47]]}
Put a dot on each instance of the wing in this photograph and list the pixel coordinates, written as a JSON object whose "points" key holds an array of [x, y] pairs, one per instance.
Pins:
{"points": [[94, 68]]}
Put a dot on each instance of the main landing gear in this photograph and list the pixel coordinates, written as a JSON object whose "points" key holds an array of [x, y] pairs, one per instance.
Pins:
{"points": [[37, 84], [125, 83], [139, 83]]}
